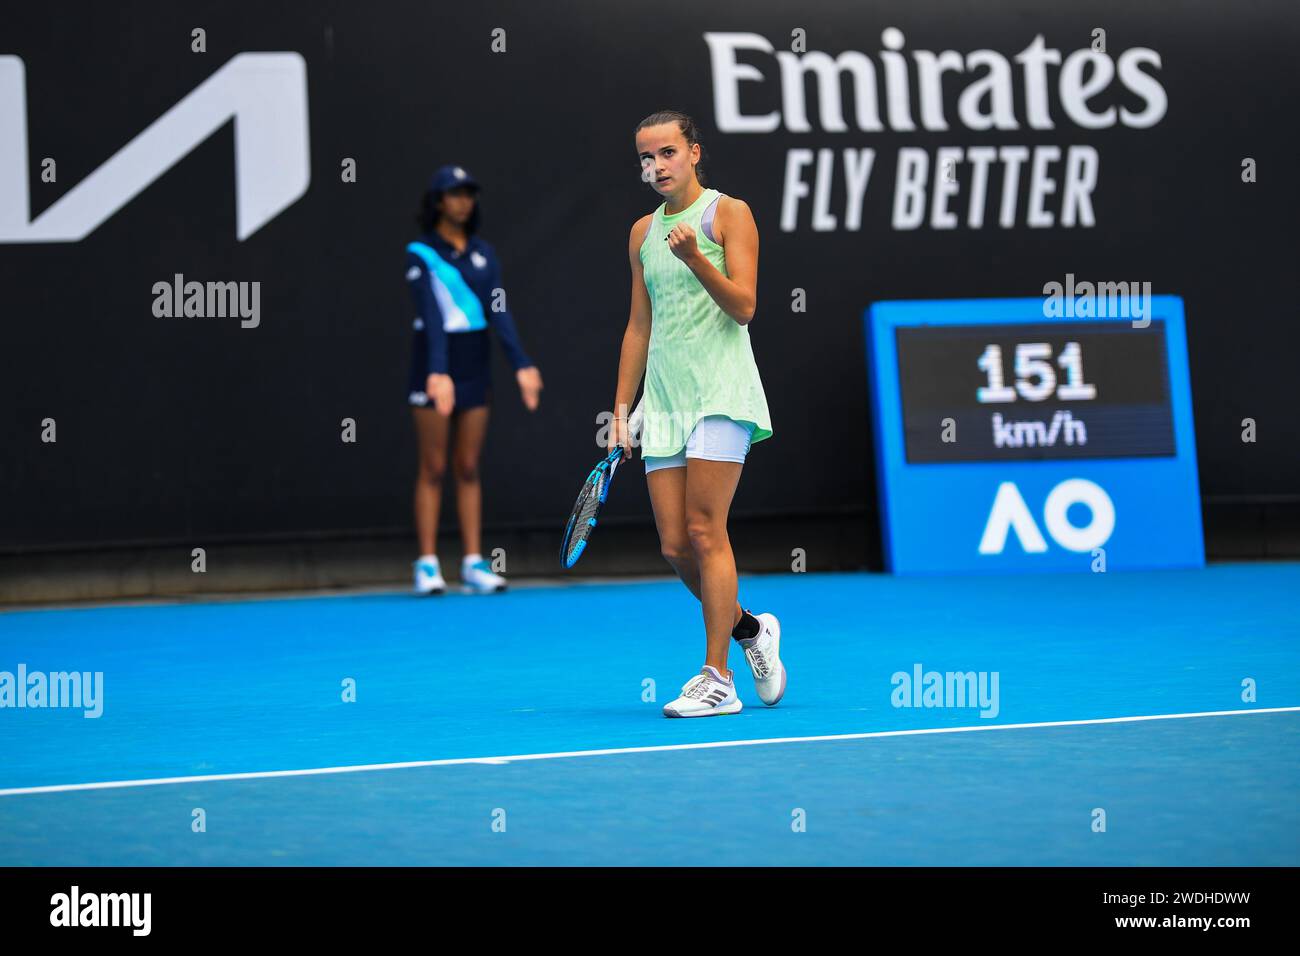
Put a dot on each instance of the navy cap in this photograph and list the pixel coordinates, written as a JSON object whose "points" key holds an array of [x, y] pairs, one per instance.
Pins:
{"points": [[449, 177]]}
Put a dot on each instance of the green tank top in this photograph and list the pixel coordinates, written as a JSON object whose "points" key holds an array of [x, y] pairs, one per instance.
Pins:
{"points": [[700, 361]]}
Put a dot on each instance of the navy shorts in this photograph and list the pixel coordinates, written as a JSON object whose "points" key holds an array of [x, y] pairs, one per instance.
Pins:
{"points": [[468, 363]]}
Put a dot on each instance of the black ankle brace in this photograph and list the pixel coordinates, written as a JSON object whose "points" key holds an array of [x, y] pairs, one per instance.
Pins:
{"points": [[747, 627]]}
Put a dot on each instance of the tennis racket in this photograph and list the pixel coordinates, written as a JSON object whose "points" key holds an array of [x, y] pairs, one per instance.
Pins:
{"points": [[593, 494]]}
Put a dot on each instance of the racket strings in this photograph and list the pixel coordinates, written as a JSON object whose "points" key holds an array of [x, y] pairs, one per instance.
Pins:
{"points": [[585, 509]]}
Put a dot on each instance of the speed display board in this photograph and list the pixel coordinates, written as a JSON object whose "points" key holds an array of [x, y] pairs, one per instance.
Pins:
{"points": [[1010, 441]]}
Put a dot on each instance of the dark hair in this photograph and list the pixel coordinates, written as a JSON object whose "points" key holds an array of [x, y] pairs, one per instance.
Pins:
{"points": [[690, 132], [428, 214]]}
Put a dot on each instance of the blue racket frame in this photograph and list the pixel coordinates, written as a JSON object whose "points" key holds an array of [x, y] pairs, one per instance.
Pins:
{"points": [[610, 463]]}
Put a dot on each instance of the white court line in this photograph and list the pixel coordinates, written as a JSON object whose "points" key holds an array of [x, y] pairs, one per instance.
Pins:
{"points": [[360, 768]]}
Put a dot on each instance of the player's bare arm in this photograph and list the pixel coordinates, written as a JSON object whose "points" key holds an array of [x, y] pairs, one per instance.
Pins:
{"points": [[636, 338], [736, 292]]}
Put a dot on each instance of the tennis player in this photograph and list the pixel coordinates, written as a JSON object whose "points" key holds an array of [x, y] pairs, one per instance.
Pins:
{"points": [[454, 276], [694, 276]]}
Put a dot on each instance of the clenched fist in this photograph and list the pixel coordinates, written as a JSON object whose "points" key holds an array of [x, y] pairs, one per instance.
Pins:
{"points": [[682, 242]]}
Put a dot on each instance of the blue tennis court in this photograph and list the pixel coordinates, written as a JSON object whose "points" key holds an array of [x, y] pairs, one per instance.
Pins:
{"points": [[533, 720]]}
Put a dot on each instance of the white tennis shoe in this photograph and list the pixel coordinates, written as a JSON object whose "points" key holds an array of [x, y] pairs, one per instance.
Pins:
{"points": [[428, 577], [707, 694], [763, 651], [477, 576]]}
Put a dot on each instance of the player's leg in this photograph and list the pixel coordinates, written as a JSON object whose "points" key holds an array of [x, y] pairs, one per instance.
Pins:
{"points": [[667, 488], [710, 487], [432, 431], [713, 691], [715, 454], [707, 488]]}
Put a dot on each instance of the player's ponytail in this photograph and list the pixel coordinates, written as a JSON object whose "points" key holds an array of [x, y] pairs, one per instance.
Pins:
{"points": [[689, 131]]}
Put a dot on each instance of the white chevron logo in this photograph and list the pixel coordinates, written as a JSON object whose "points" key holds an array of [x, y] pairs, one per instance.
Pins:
{"points": [[264, 93]]}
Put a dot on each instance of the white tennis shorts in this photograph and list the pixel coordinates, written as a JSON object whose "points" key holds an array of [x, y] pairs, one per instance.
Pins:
{"points": [[714, 438]]}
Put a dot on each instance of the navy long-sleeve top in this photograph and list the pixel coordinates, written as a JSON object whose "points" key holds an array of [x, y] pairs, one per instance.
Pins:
{"points": [[441, 301]]}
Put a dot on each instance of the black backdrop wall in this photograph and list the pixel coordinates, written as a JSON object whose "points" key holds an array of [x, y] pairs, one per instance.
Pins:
{"points": [[169, 428]]}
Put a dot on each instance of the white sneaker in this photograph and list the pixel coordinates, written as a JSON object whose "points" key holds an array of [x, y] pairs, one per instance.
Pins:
{"points": [[476, 575], [707, 694], [763, 651], [428, 577]]}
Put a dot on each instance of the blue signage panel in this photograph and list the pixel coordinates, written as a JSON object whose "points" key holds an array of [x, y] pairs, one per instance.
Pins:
{"points": [[1023, 435]]}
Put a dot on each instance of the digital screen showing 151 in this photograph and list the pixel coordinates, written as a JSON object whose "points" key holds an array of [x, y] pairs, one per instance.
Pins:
{"points": [[1018, 391]]}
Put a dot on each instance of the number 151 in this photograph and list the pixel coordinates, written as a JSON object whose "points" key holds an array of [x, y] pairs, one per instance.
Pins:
{"points": [[1035, 377]]}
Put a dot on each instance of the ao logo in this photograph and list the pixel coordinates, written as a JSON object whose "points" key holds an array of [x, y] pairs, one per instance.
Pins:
{"points": [[1010, 511]]}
